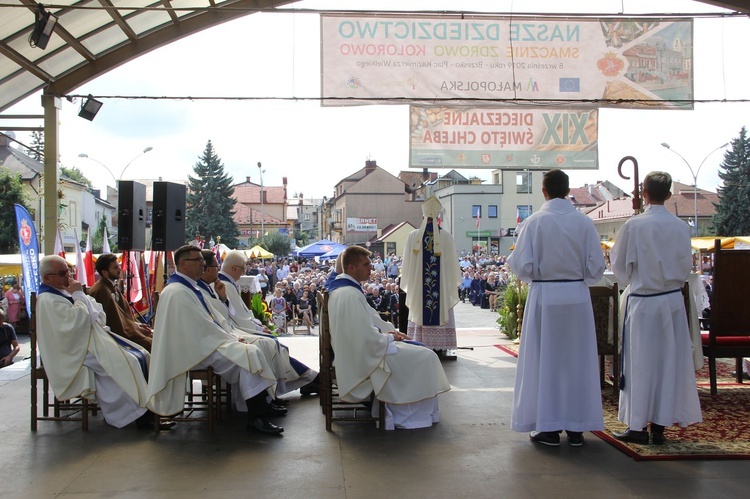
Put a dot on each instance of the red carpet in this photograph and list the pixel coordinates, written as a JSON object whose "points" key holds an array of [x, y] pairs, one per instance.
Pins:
{"points": [[723, 434]]}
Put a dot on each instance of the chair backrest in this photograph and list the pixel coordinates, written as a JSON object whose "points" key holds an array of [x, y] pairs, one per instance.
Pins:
{"points": [[324, 333], [730, 313], [604, 301], [32, 332]]}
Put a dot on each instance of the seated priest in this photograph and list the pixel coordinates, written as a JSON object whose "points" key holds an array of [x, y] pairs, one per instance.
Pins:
{"points": [[371, 358], [187, 336], [243, 317], [81, 356], [215, 293], [120, 318]]}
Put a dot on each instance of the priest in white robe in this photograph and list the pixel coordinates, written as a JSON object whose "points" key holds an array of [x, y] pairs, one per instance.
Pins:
{"points": [[302, 376], [81, 357], [187, 336], [372, 359], [557, 379], [652, 254], [216, 292], [430, 277]]}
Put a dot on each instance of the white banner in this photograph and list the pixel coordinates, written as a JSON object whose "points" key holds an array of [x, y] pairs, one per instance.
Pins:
{"points": [[598, 62], [503, 138], [361, 224]]}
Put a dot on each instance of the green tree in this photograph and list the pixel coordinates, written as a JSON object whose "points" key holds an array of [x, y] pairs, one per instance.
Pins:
{"points": [[301, 237], [97, 240], [209, 210], [278, 244], [732, 216], [11, 192], [76, 175], [36, 150]]}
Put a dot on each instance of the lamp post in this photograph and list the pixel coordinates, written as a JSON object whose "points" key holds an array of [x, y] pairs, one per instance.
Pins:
{"points": [[84, 155], [695, 179], [262, 205]]}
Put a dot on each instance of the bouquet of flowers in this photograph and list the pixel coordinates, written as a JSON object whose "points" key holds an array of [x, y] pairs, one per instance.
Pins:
{"points": [[261, 312]]}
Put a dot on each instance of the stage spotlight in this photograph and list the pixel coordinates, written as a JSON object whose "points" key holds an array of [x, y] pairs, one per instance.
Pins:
{"points": [[89, 108], [44, 24]]}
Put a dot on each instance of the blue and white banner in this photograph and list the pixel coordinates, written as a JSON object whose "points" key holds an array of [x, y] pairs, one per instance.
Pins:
{"points": [[29, 248]]}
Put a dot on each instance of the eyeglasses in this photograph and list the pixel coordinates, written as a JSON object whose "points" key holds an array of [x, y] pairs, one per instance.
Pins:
{"points": [[60, 273], [212, 266]]}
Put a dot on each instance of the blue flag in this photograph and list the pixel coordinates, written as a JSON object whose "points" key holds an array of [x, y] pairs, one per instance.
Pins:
{"points": [[29, 247]]}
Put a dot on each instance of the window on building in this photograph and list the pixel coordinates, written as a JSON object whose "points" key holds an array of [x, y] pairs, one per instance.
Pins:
{"points": [[492, 211], [476, 211], [306, 217], [523, 182], [522, 212]]}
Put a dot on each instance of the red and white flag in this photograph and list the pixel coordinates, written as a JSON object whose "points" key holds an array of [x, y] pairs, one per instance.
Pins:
{"points": [[477, 219], [88, 261], [105, 242], [132, 275], [80, 266], [518, 216], [59, 250]]}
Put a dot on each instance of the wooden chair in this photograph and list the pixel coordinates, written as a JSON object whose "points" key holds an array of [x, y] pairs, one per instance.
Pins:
{"points": [[729, 330], [334, 409], [604, 301], [62, 410], [205, 407]]}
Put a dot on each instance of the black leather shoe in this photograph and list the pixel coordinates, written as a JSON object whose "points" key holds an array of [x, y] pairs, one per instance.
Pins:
{"points": [[280, 402], [658, 439], [310, 389], [275, 410], [264, 426], [634, 437]]}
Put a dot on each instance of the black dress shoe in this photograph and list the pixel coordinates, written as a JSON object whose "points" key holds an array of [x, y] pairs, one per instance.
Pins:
{"points": [[310, 389], [658, 439], [275, 410], [280, 402], [264, 426], [634, 437]]}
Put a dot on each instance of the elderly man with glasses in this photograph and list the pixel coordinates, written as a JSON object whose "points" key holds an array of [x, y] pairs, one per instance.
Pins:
{"points": [[82, 357], [187, 335]]}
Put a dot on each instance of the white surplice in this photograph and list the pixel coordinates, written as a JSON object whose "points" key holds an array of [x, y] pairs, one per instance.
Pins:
{"points": [[276, 354], [82, 359], [186, 336], [408, 379], [652, 254], [557, 378]]}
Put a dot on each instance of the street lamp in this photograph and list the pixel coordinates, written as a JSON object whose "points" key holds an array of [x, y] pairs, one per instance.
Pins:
{"points": [[262, 205], [84, 155], [695, 178]]}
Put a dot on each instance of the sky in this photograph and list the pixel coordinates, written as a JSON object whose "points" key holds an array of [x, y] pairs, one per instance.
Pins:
{"points": [[277, 56]]}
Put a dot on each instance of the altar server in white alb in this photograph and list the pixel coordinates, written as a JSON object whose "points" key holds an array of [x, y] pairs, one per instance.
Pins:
{"points": [[372, 358], [430, 277], [187, 335], [557, 379], [81, 356], [652, 254]]}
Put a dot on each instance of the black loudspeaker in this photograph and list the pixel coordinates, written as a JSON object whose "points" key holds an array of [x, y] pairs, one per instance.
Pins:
{"points": [[131, 215], [168, 221]]}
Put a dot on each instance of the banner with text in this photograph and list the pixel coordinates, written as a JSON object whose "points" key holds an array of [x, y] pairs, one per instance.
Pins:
{"points": [[361, 224], [503, 138], [643, 63]]}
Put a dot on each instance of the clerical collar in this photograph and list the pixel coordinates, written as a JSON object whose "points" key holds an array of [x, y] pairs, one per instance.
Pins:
{"points": [[343, 281], [226, 278], [46, 288], [204, 286], [188, 279]]}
